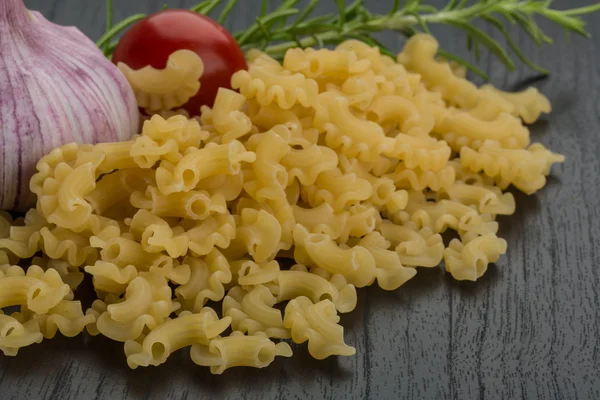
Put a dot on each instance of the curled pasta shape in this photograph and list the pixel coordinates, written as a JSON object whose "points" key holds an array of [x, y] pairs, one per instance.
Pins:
{"points": [[267, 168], [228, 186], [356, 264], [66, 317], [469, 259], [528, 104], [238, 350], [37, 289], [63, 244], [199, 164], [488, 199], [322, 219], [124, 251], [25, 240], [390, 273], [227, 116], [207, 281], [345, 132], [250, 273], [414, 119], [461, 129], [147, 303], [290, 284], [421, 152], [16, 334], [324, 63], [170, 87], [417, 179], [252, 311], [259, 233], [268, 82], [307, 164], [337, 189], [194, 205], [166, 139], [116, 188], [317, 324], [416, 248], [111, 277], [216, 231], [156, 235], [174, 334], [6, 221], [525, 169]]}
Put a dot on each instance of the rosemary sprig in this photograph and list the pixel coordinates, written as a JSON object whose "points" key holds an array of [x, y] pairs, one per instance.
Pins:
{"points": [[277, 31]]}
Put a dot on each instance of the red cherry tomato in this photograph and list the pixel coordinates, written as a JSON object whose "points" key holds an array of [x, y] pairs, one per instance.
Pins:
{"points": [[152, 40]]}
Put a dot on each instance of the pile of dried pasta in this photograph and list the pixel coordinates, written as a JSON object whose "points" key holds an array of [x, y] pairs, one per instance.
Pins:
{"points": [[346, 161]]}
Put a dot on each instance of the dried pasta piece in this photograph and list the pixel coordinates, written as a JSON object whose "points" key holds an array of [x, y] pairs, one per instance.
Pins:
{"points": [[114, 189], [298, 281], [207, 281], [227, 116], [324, 63], [390, 273], [356, 264], [147, 303], [170, 87], [156, 235], [16, 334], [416, 248], [307, 164], [252, 311], [173, 334], [414, 120], [424, 153], [37, 289], [238, 350], [417, 179], [528, 104], [66, 317], [111, 277], [469, 259], [259, 234], [199, 164], [194, 205], [216, 231], [337, 189], [525, 169], [488, 199], [317, 324], [345, 132], [268, 82], [166, 139]]}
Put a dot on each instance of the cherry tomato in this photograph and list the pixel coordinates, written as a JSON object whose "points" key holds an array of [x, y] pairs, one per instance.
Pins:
{"points": [[152, 40]]}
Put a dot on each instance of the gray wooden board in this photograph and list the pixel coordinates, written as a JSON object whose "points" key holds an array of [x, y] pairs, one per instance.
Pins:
{"points": [[529, 329]]}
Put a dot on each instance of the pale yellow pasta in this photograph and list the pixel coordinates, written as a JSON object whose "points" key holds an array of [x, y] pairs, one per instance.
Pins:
{"points": [[166, 140], [174, 334], [416, 248], [345, 162], [390, 273], [39, 291], [268, 82], [469, 259], [207, 281], [412, 119], [228, 118], [238, 350], [337, 189], [318, 325], [252, 311], [198, 164], [525, 169], [215, 231], [417, 179], [170, 87], [195, 205], [345, 132], [324, 63], [16, 334], [147, 303], [298, 282], [356, 264], [259, 234]]}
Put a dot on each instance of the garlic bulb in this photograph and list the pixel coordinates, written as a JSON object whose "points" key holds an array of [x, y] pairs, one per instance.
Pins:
{"points": [[56, 87]]}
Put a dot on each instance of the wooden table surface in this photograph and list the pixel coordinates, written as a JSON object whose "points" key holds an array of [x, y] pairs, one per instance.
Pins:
{"points": [[529, 329]]}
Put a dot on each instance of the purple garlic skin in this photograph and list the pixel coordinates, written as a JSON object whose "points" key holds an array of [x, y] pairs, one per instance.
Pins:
{"points": [[56, 87]]}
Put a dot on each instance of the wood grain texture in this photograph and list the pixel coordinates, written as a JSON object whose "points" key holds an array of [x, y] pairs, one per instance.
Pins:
{"points": [[529, 329]]}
